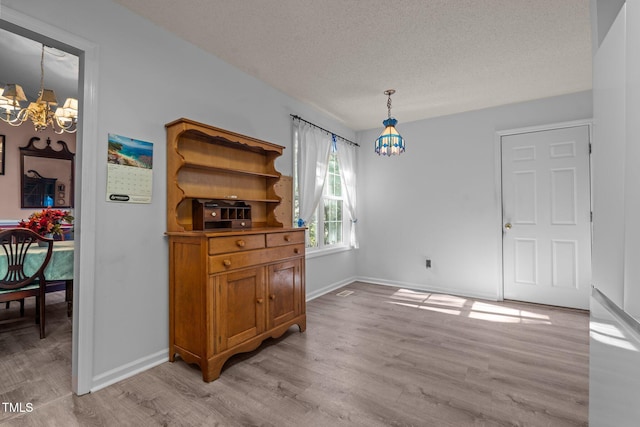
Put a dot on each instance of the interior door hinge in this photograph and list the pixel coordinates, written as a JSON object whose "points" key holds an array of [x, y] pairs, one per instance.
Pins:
{"points": [[590, 148], [591, 216]]}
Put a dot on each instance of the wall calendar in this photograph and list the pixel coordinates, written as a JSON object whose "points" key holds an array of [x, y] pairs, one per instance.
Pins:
{"points": [[129, 170]]}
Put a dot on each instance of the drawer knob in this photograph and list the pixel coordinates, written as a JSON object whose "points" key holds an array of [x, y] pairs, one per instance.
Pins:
{"points": [[287, 238], [240, 243], [272, 297], [259, 300], [227, 262], [243, 223], [213, 214], [296, 251]]}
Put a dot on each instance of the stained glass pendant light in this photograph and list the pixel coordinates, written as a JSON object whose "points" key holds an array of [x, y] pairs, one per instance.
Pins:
{"points": [[389, 143]]}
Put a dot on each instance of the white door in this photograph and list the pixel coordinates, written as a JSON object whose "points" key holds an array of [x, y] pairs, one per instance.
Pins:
{"points": [[547, 217]]}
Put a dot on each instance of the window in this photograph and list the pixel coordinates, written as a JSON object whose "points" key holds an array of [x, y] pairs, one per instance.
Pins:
{"points": [[327, 227], [324, 180]]}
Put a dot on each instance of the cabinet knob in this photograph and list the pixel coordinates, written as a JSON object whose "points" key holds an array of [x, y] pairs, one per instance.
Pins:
{"points": [[287, 238], [272, 297], [227, 262], [296, 250], [240, 243], [259, 300], [213, 214]]}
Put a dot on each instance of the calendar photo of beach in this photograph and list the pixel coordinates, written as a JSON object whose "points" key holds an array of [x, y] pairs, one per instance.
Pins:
{"points": [[130, 152]]}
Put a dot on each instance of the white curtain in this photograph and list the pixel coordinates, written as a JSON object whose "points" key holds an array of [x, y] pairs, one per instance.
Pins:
{"points": [[314, 148], [347, 159]]}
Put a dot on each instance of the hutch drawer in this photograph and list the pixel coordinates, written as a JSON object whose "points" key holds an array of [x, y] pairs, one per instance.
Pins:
{"points": [[233, 261], [288, 238], [221, 245]]}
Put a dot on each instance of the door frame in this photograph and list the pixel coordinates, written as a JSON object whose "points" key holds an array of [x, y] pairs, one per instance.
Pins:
{"points": [[498, 183], [86, 188]]}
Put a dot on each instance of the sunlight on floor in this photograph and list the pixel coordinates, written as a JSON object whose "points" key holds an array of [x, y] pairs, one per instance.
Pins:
{"points": [[458, 306], [424, 307], [498, 313], [440, 299]]}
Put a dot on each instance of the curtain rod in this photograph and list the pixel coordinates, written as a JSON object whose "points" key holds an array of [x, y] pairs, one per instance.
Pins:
{"points": [[321, 128]]}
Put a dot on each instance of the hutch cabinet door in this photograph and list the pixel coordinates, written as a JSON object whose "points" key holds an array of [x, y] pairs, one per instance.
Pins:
{"points": [[284, 292], [240, 306]]}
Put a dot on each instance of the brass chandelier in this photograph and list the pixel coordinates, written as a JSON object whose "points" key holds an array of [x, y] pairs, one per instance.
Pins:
{"points": [[41, 112]]}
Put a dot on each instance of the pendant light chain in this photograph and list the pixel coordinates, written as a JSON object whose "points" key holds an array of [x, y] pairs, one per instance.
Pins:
{"points": [[41, 71]]}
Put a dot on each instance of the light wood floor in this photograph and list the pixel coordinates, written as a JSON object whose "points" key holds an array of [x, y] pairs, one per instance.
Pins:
{"points": [[381, 356]]}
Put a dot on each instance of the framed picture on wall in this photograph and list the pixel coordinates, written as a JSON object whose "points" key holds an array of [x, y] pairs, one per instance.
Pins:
{"points": [[2, 149]]}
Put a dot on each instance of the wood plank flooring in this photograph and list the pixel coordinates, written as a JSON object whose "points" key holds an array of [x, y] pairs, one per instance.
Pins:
{"points": [[381, 356], [34, 370]]}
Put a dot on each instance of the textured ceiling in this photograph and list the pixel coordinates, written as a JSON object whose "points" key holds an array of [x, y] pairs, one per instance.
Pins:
{"points": [[441, 56]]}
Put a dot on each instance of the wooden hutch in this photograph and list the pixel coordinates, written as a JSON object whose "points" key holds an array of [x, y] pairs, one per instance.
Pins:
{"points": [[236, 265]]}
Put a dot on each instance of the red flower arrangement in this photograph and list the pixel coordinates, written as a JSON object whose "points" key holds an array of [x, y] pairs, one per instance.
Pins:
{"points": [[48, 221]]}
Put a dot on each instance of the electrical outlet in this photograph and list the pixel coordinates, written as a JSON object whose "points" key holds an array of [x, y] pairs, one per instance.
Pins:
{"points": [[428, 263]]}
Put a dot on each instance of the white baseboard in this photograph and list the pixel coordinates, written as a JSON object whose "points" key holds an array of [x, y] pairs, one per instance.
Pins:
{"points": [[428, 288], [329, 288], [397, 284], [128, 370]]}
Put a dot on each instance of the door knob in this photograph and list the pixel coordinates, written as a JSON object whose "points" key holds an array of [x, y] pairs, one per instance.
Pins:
{"points": [[508, 226]]}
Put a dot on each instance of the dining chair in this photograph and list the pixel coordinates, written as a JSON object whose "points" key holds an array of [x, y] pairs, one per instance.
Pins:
{"points": [[15, 282]]}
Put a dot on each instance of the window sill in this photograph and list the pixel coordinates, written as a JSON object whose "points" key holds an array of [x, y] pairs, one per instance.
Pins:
{"points": [[316, 253]]}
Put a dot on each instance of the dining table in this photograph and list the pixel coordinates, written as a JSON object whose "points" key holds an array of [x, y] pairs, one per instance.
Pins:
{"points": [[58, 273]]}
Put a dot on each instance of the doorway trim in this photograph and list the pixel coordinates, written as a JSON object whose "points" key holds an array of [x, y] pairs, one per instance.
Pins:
{"points": [[498, 181], [86, 190]]}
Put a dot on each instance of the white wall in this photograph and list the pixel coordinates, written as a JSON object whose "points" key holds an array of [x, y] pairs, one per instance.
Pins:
{"points": [[329, 272], [616, 154], [632, 178], [439, 199], [603, 13], [148, 77], [616, 243], [609, 162]]}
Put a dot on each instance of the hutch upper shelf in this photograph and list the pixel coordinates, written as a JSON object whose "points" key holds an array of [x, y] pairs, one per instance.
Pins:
{"points": [[205, 162]]}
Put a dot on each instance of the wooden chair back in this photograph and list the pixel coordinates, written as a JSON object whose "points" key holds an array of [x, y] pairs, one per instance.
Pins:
{"points": [[16, 283]]}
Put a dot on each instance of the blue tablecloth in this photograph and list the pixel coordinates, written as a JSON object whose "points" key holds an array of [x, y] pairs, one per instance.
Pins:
{"points": [[60, 265]]}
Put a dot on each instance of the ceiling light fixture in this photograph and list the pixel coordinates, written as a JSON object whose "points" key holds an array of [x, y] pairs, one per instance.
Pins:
{"points": [[389, 143], [41, 112]]}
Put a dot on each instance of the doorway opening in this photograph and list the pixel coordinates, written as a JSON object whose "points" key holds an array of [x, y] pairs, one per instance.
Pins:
{"points": [[85, 183], [21, 53]]}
